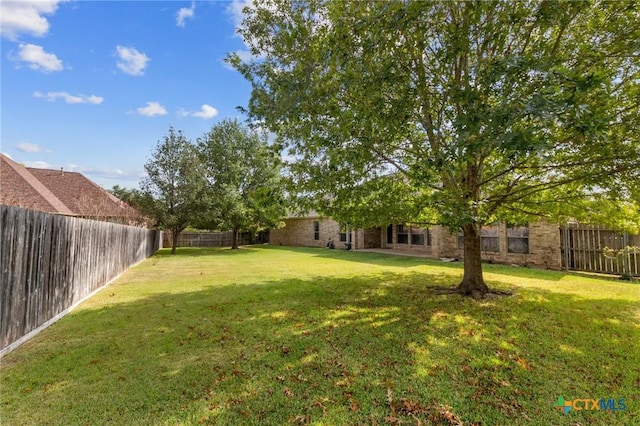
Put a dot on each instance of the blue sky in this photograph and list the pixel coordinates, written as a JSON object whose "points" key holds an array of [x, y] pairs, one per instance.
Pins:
{"points": [[92, 86]]}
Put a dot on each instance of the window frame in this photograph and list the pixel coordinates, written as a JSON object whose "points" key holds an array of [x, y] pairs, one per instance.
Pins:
{"points": [[402, 234], [513, 228], [488, 243], [343, 233], [417, 236], [490, 238]]}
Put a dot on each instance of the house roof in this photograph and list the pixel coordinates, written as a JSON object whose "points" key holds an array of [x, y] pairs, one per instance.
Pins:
{"points": [[57, 191], [18, 187]]}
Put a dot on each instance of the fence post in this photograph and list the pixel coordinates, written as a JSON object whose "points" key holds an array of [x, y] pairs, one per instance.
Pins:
{"points": [[566, 246], [625, 254]]}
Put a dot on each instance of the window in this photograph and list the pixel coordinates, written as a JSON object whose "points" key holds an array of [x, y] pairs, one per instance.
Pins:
{"points": [[417, 236], [402, 234], [518, 239], [489, 238], [343, 233], [316, 230]]}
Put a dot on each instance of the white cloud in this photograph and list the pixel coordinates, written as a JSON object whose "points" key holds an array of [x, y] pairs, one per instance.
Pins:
{"points": [[152, 109], [185, 13], [68, 98], [28, 147], [25, 16], [206, 112], [132, 61], [38, 59], [103, 172], [38, 164], [235, 9]]}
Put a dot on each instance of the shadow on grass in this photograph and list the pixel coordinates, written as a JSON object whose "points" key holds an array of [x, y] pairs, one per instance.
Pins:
{"points": [[377, 349], [383, 259]]}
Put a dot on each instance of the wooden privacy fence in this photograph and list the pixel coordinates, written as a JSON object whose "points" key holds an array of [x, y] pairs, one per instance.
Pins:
{"points": [[50, 263], [207, 239], [582, 248]]}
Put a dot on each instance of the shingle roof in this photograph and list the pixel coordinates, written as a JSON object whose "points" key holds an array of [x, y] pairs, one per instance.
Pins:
{"points": [[57, 191], [20, 188]]}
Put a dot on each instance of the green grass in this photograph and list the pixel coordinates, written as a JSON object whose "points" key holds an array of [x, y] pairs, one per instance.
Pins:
{"points": [[271, 335]]}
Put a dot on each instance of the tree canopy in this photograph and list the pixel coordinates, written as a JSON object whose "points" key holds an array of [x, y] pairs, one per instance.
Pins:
{"points": [[456, 113], [244, 184]]}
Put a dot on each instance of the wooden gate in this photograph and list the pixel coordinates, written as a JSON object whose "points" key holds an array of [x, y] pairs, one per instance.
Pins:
{"points": [[582, 249]]}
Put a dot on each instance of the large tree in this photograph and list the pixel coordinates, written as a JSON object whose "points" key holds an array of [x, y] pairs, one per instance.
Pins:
{"points": [[463, 113], [244, 183], [173, 189]]}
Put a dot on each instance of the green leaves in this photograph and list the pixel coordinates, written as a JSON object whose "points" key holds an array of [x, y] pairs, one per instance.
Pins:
{"points": [[230, 180], [474, 110], [174, 184], [244, 188]]}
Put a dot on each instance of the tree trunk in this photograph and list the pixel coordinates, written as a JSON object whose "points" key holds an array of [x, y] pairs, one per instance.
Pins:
{"points": [[472, 282], [236, 231], [175, 233]]}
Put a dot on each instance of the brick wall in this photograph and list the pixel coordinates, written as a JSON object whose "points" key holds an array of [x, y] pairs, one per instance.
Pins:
{"points": [[300, 232], [544, 246], [544, 241], [446, 242]]}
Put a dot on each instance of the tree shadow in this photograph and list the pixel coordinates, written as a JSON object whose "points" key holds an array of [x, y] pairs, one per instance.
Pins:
{"points": [[383, 259], [388, 259], [373, 349]]}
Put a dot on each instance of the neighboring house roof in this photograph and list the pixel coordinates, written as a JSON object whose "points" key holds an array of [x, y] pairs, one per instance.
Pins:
{"points": [[57, 191], [20, 188]]}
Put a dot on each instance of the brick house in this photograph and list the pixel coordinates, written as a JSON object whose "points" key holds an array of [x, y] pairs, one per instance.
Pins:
{"points": [[61, 192], [537, 244]]}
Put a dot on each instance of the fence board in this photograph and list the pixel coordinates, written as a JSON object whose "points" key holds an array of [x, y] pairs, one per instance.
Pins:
{"points": [[582, 249], [207, 239], [51, 262]]}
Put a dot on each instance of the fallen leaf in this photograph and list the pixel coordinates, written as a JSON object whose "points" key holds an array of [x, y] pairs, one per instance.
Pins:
{"points": [[524, 364], [393, 420]]}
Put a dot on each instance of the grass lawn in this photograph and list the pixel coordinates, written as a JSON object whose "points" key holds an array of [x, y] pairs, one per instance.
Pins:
{"points": [[272, 335]]}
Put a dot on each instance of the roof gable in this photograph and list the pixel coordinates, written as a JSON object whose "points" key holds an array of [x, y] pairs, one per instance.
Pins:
{"points": [[19, 187]]}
